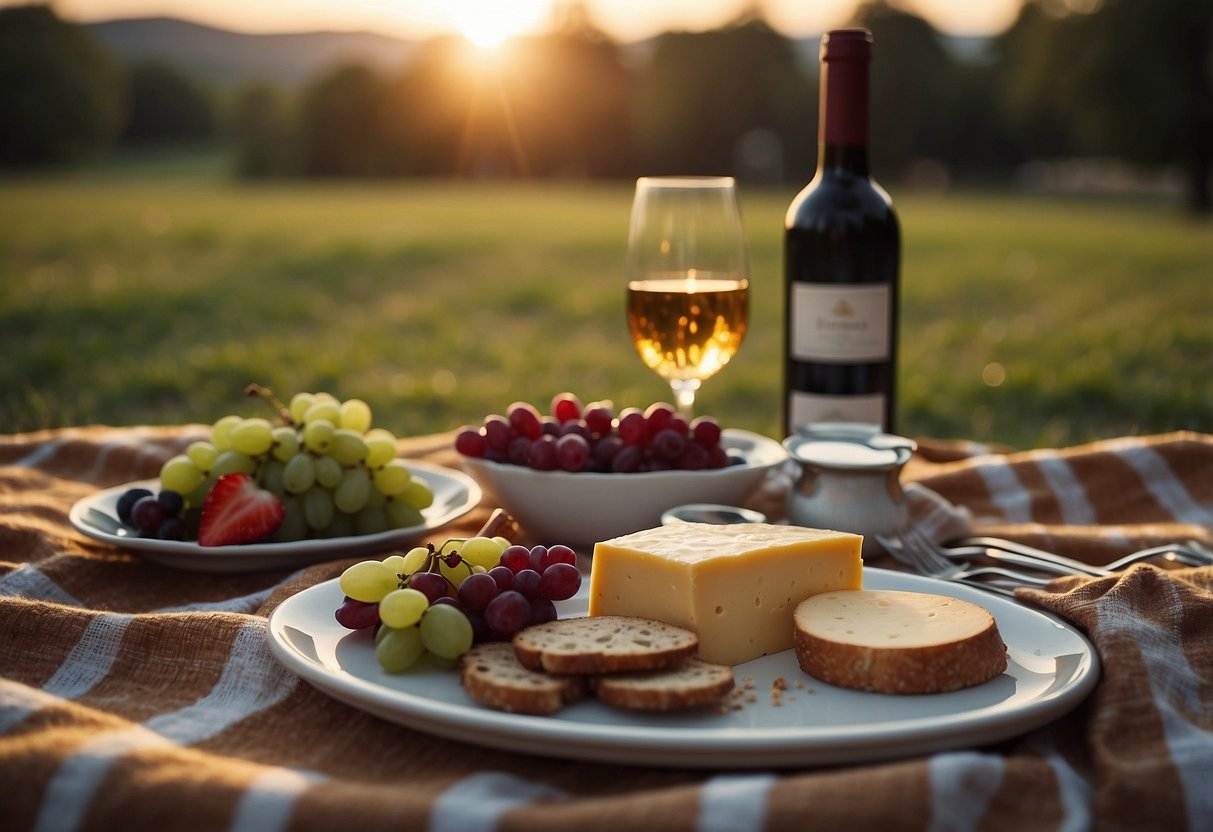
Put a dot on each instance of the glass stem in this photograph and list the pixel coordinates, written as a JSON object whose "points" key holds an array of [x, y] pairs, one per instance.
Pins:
{"points": [[684, 395]]}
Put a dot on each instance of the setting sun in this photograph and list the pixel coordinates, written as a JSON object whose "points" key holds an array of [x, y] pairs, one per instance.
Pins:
{"points": [[490, 23]]}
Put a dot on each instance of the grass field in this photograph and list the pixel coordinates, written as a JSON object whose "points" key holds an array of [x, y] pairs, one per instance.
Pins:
{"points": [[133, 300]]}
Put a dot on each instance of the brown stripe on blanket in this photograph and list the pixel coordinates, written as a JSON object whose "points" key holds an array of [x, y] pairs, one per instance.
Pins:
{"points": [[1153, 647], [888, 795]]}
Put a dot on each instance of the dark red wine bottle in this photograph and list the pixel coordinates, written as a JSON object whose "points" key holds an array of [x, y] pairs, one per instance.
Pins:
{"points": [[842, 252]]}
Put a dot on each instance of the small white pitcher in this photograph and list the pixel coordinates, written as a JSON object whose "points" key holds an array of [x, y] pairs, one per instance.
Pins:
{"points": [[850, 480]]}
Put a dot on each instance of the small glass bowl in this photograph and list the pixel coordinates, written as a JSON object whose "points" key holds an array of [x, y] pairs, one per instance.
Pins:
{"points": [[713, 513]]}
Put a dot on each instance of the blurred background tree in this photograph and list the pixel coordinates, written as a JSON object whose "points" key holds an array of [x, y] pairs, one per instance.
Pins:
{"points": [[1035, 123], [566, 97], [425, 111], [914, 83], [166, 106], [62, 94], [702, 99], [338, 123], [1129, 80], [260, 126]]}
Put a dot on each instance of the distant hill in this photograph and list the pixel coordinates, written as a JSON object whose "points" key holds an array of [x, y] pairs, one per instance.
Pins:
{"points": [[221, 56], [226, 57]]}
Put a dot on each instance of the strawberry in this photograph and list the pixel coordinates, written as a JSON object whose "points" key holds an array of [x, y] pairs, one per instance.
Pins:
{"points": [[237, 511]]}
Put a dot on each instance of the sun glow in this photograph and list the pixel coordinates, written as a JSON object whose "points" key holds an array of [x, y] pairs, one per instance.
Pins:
{"points": [[490, 23]]}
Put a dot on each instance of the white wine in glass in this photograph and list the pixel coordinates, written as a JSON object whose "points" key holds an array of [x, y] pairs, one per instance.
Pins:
{"points": [[688, 287]]}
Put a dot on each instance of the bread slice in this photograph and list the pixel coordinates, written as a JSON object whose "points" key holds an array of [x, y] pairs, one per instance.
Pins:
{"points": [[897, 642], [689, 685], [492, 675], [603, 644]]}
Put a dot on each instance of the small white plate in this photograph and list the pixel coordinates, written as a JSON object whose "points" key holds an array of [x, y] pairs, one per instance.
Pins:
{"points": [[455, 494], [1051, 669]]}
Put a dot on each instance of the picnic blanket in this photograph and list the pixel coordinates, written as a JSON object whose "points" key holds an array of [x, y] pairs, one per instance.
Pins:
{"points": [[133, 696]]}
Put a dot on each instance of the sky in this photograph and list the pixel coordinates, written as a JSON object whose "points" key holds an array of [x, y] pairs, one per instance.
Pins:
{"points": [[490, 21]]}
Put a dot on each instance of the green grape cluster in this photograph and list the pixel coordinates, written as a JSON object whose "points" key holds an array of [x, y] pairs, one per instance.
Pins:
{"points": [[411, 600], [444, 600], [335, 474]]}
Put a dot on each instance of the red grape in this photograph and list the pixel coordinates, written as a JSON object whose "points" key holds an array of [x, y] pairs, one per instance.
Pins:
{"points": [[566, 407], [717, 457], [694, 458], [658, 417], [519, 450], [524, 420], [706, 430], [172, 528], [543, 454], [471, 442], [503, 576], [480, 630], [430, 584], [600, 419], [527, 583], [577, 426], [516, 557], [147, 514], [477, 591], [357, 615], [537, 558], [497, 432], [542, 611], [508, 613], [572, 453], [604, 450], [633, 429], [560, 554], [628, 460], [559, 582], [668, 445]]}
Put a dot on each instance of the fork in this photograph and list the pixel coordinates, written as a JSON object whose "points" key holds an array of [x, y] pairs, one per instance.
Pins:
{"points": [[1188, 553], [913, 549]]}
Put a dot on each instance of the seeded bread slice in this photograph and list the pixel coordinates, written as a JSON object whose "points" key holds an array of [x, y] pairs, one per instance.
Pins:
{"points": [[897, 642], [689, 685], [492, 675], [603, 644]]}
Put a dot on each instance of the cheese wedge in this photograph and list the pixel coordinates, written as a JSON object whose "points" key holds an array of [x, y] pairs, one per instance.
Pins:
{"points": [[734, 585]]}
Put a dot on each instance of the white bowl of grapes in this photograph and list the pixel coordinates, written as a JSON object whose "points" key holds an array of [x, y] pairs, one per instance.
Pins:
{"points": [[580, 474]]}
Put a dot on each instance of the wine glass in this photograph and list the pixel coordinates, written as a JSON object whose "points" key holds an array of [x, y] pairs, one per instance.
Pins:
{"points": [[688, 286]]}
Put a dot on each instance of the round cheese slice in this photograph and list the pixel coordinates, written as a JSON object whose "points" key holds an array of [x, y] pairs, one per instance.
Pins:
{"points": [[888, 641]]}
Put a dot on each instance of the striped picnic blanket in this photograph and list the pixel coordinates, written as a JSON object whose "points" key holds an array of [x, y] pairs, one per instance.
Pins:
{"points": [[133, 696]]}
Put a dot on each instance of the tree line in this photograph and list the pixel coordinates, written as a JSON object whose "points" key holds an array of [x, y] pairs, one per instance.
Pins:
{"points": [[1118, 79]]}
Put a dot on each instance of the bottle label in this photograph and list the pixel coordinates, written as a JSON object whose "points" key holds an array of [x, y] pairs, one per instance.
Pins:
{"points": [[840, 322], [808, 408]]}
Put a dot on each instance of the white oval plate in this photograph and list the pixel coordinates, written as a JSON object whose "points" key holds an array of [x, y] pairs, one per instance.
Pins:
{"points": [[455, 494], [1051, 669]]}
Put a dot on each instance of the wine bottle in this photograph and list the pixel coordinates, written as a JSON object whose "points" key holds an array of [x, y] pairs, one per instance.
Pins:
{"points": [[841, 261]]}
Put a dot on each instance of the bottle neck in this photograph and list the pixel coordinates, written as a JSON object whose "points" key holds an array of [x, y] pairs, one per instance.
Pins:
{"points": [[843, 158], [843, 114]]}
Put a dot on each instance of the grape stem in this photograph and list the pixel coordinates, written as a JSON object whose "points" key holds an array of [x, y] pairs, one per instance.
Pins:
{"points": [[266, 394], [499, 524]]}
